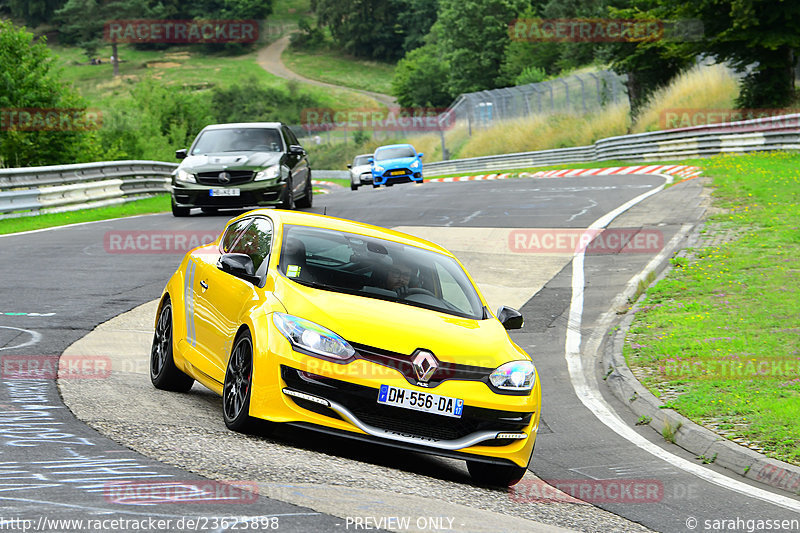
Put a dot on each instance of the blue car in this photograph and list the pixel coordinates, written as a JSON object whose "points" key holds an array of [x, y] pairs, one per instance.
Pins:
{"points": [[396, 163]]}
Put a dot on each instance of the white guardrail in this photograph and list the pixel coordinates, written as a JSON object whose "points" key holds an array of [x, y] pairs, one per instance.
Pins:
{"points": [[35, 190]]}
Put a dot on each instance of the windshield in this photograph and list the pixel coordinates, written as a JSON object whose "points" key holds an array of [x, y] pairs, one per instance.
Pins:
{"points": [[361, 160], [376, 268], [238, 140], [394, 153]]}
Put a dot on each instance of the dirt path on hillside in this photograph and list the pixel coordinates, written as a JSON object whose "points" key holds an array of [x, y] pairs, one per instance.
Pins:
{"points": [[269, 58]]}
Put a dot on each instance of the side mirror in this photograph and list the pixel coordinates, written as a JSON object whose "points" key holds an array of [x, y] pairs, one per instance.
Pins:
{"points": [[349, 166], [296, 149], [510, 318], [239, 265], [371, 160], [420, 155], [180, 154]]}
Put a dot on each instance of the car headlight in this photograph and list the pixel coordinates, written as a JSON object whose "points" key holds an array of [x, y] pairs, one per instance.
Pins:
{"points": [[379, 168], [416, 164], [188, 177], [312, 337], [515, 376], [269, 173]]}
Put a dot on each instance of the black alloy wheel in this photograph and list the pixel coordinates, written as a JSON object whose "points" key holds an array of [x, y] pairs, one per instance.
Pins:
{"points": [[163, 373]]}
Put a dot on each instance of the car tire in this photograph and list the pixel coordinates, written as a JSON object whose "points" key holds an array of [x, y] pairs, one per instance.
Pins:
{"points": [[179, 211], [288, 198], [163, 373], [495, 475], [210, 210], [375, 185], [307, 200], [353, 186], [238, 384]]}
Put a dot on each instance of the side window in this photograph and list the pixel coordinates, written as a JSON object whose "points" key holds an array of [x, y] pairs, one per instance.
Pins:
{"points": [[290, 137], [255, 241], [232, 233], [452, 292]]}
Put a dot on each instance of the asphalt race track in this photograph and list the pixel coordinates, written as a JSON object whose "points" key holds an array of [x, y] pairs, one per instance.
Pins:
{"points": [[59, 285]]}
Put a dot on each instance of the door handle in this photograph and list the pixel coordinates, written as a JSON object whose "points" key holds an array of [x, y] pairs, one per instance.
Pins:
{"points": [[204, 285]]}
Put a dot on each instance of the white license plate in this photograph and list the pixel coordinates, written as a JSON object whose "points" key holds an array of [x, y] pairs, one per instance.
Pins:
{"points": [[223, 192], [420, 401]]}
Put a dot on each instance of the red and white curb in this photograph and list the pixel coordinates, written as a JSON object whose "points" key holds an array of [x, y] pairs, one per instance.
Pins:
{"points": [[328, 184], [682, 171], [470, 178]]}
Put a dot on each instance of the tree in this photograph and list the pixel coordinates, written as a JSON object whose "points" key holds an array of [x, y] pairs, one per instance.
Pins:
{"points": [[758, 38], [364, 28], [420, 79], [649, 64], [82, 22], [29, 81], [474, 35], [33, 12]]}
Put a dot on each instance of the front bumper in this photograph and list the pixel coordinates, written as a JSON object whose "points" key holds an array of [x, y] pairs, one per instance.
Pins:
{"points": [[289, 386], [253, 194], [392, 176]]}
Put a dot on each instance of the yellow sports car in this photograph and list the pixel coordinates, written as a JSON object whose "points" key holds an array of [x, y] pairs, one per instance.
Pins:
{"points": [[354, 330]]}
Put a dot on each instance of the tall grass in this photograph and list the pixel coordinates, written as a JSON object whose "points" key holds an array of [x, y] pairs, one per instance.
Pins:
{"points": [[542, 132], [702, 87]]}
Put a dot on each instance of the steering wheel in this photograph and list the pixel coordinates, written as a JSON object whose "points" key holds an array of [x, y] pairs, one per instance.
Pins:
{"points": [[419, 290]]}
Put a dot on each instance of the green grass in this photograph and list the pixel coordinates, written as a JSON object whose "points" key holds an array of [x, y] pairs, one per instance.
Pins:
{"points": [[728, 308], [340, 69], [154, 204], [182, 66]]}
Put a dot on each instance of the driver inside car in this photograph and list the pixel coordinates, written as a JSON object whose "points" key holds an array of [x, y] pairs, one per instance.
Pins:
{"points": [[398, 278]]}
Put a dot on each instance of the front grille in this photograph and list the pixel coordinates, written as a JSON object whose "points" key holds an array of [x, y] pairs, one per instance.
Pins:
{"points": [[237, 177], [362, 402], [402, 363], [388, 173]]}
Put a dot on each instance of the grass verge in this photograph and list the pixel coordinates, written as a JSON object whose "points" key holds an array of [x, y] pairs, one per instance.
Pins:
{"points": [[154, 204], [339, 69], [718, 338]]}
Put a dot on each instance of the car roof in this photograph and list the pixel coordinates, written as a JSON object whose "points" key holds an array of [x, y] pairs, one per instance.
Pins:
{"points": [[280, 216], [243, 125], [396, 146], [362, 155]]}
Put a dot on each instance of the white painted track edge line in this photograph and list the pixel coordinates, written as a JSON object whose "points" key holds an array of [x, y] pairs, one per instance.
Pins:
{"points": [[51, 228], [593, 400]]}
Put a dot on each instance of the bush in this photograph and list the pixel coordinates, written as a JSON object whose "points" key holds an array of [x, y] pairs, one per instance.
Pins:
{"points": [[251, 102], [28, 80]]}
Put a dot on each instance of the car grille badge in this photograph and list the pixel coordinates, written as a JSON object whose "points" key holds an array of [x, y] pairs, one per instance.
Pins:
{"points": [[224, 177], [424, 364]]}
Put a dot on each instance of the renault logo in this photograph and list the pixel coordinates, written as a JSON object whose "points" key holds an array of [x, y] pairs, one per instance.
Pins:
{"points": [[424, 364], [224, 177]]}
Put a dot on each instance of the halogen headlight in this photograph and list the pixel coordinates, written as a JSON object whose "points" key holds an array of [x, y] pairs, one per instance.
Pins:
{"points": [[415, 164], [378, 168], [516, 375], [312, 337], [182, 175], [268, 174]]}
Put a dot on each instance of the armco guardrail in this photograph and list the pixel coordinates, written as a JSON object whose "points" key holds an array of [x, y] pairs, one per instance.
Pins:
{"points": [[67, 187], [762, 134], [36, 190]]}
